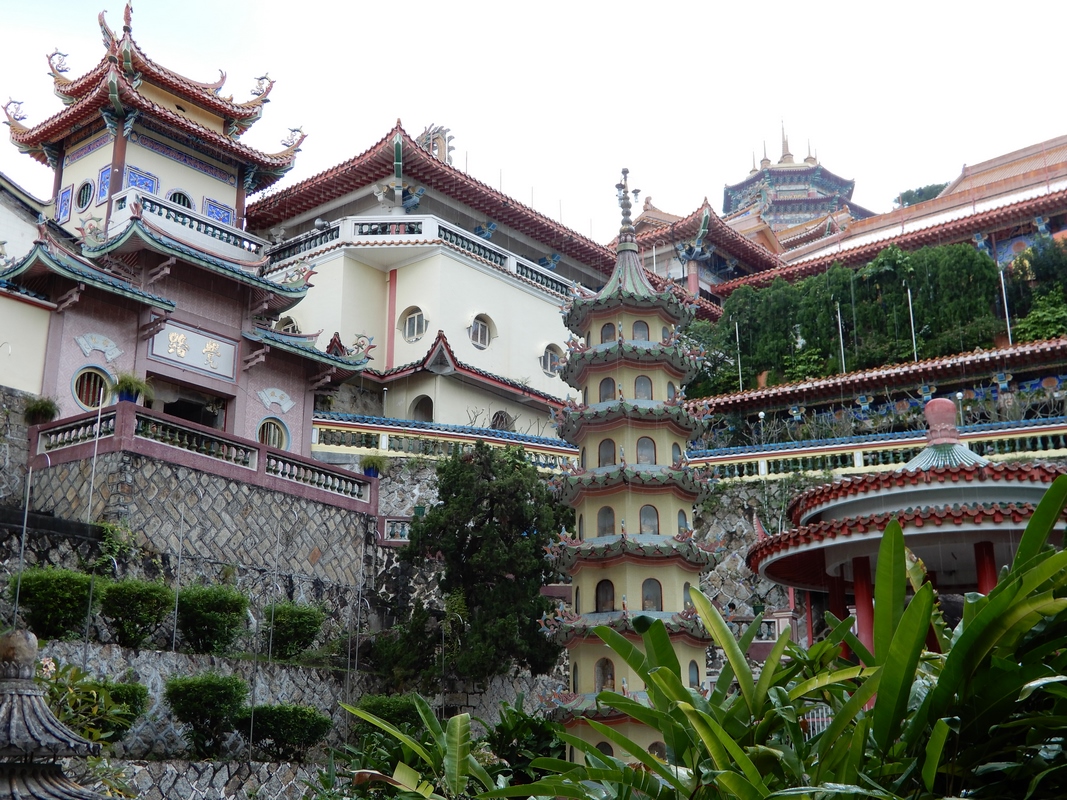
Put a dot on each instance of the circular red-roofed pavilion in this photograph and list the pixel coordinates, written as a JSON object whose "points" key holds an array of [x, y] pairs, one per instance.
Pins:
{"points": [[961, 515]]}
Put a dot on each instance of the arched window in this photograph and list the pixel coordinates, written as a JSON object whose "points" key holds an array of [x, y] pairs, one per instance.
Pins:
{"points": [[606, 749], [502, 421], [649, 519], [577, 600], [550, 360], [422, 409], [574, 677], [413, 323], [605, 675], [89, 386], [666, 334], [687, 601], [659, 750], [641, 331], [606, 453], [581, 458], [643, 387], [651, 595], [605, 596], [272, 433], [607, 333], [481, 331], [672, 390], [694, 675], [180, 198], [683, 522], [646, 451], [605, 521], [676, 453], [581, 527], [607, 390]]}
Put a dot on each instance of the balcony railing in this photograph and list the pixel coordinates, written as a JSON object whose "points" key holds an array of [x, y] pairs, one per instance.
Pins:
{"points": [[417, 231], [209, 234], [127, 427], [1030, 439], [363, 435]]}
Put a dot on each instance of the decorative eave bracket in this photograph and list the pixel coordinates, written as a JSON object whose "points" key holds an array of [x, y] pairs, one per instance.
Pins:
{"points": [[257, 357], [70, 298], [154, 326]]}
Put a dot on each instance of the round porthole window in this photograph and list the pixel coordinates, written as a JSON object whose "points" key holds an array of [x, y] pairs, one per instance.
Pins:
{"points": [[85, 195]]}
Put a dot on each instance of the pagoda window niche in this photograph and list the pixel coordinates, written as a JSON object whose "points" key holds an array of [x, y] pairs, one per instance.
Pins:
{"points": [[577, 600], [574, 677], [606, 453], [672, 390], [649, 519], [643, 387], [659, 750], [676, 453], [605, 596], [646, 451], [683, 522], [641, 331], [607, 333], [605, 521], [607, 390], [581, 458], [605, 676], [651, 595], [687, 601], [581, 526], [694, 675], [606, 749]]}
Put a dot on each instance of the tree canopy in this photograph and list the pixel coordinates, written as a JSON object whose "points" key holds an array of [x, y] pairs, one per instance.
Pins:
{"points": [[910, 197], [494, 518]]}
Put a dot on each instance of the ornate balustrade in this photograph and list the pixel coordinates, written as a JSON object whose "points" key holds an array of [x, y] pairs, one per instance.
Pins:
{"points": [[127, 427], [416, 231], [1027, 439], [362, 435], [236, 243]]}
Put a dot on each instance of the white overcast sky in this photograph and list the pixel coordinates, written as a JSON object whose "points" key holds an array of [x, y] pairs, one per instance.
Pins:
{"points": [[549, 100]]}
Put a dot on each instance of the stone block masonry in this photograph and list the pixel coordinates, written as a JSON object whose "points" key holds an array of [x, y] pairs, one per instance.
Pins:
{"points": [[177, 511]]}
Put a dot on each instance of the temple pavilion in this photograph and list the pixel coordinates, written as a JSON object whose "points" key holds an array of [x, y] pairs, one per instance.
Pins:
{"points": [[632, 491], [962, 515], [790, 193]]}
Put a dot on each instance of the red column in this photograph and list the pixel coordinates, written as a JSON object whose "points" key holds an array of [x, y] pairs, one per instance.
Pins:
{"points": [[986, 566], [863, 589], [838, 607], [811, 622], [693, 279]]}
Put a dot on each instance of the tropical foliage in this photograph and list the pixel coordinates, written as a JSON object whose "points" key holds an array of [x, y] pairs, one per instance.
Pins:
{"points": [[981, 712], [794, 331], [494, 517]]}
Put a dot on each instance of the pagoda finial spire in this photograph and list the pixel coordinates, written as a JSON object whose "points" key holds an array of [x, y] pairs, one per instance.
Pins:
{"points": [[754, 170], [810, 158], [626, 231], [766, 162], [787, 157]]}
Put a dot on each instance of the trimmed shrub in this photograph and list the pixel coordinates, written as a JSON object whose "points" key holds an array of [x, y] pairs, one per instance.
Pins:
{"points": [[136, 609], [98, 710], [54, 601], [211, 617], [207, 704], [131, 700], [284, 732], [291, 628]]}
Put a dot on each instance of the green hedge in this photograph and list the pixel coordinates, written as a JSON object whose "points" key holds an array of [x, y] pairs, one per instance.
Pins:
{"points": [[207, 704], [211, 618], [54, 602], [291, 628], [136, 609], [283, 732]]}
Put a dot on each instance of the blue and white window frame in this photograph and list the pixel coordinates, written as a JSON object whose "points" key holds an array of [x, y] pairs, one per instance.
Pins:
{"points": [[219, 212], [103, 185], [141, 179], [64, 203]]}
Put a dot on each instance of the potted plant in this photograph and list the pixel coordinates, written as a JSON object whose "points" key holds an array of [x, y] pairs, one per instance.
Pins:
{"points": [[40, 410], [128, 386], [373, 465]]}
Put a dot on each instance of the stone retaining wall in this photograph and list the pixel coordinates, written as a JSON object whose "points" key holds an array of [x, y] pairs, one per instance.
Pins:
{"points": [[14, 445], [209, 780]]}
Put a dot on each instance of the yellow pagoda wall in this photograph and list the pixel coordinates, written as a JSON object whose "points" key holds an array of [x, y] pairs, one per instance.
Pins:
{"points": [[174, 175], [181, 106], [644, 736], [627, 580], [24, 328], [77, 170]]}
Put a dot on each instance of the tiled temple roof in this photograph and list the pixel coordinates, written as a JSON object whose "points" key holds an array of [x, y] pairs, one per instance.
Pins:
{"points": [[573, 417], [881, 379], [681, 358], [649, 547], [692, 484]]}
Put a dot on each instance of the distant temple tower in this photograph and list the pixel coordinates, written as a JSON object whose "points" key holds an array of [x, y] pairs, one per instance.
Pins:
{"points": [[790, 193], [633, 493]]}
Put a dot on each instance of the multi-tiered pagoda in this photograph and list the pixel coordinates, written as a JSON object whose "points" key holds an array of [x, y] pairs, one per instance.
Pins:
{"points": [[632, 491]]}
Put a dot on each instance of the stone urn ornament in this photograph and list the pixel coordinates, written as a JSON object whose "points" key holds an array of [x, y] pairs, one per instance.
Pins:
{"points": [[31, 738]]}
